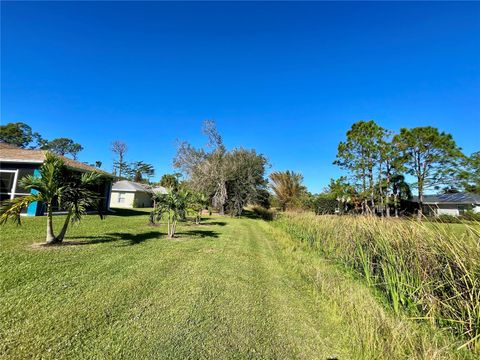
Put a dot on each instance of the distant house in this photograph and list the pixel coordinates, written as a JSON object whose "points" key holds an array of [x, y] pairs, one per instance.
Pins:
{"points": [[16, 163], [129, 194], [450, 204]]}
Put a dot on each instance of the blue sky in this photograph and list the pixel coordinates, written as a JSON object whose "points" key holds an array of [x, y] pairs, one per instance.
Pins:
{"points": [[287, 79]]}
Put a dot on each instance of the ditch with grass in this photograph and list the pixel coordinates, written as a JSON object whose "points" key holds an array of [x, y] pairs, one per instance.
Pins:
{"points": [[227, 288]]}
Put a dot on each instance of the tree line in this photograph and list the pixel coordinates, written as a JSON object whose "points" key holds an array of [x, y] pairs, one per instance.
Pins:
{"points": [[382, 169], [22, 136]]}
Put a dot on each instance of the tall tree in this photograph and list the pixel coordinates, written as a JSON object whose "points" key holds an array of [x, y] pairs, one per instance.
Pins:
{"points": [[230, 179], [361, 154], [119, 148], [206, 170], [400, 191], [138, 169], [63, 146], [287, 186], [470, 174], [245, 179], [430, 156], [170, 181], [19, 134]]}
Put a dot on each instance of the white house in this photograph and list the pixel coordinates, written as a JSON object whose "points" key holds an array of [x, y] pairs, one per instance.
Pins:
{"points": [[129, 194], [450, 204]]}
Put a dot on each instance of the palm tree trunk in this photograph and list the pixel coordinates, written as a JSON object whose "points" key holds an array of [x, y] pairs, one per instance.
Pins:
{"points": [[50, 239], [61, 236]]}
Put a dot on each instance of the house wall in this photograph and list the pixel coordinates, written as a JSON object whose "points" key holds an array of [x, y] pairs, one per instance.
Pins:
{"points": [[139, 199], [127, 203], [444, 209], [143, 200]]}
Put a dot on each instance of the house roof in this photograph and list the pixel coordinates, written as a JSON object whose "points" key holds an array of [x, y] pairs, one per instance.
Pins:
{"points": [[457, 198], [126, 185], [159, 189], [11, 153]]}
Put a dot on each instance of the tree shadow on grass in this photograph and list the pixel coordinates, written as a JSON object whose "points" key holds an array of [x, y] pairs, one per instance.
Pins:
{"points": [[250, 214], [129, 212], [131, 239], [217, 223], [134, 239], [199, 234]]}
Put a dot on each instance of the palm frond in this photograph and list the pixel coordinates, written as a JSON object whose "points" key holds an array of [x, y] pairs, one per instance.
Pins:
{"points": [[11, 209]]}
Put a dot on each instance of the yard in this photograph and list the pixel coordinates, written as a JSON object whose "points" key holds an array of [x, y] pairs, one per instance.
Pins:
{"points": [[229, 288]]}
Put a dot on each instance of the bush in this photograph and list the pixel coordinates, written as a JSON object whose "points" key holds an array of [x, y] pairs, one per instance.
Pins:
{"points": [[471, 216], [448, 219], [265, 214], [423, 268], [325, 205]]}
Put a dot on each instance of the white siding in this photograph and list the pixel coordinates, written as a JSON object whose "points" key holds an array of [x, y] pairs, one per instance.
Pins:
{"points": [[447, 211], [116, 202]]}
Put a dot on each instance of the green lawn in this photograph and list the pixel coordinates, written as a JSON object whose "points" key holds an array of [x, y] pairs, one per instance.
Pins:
{"points": [[231, 288]]}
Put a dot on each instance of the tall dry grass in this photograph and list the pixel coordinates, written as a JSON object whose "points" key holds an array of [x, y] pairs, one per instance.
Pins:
{"points": [[430, 270]]}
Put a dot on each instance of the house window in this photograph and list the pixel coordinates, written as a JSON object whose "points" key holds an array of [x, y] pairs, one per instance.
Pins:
{"points": [[121, 197], [462, 209], [8, 182]]}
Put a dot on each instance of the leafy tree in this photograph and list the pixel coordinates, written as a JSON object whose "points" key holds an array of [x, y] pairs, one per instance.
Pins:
{"points": [[230, 179], [55, 185], [170, 181], [324, 204], [119, 148], [19, 134], [430, 156], [470, 174], [400, 191], [345, 193], [138, 169], [245, 180], [361, 154], [287, 186], [63, 146]]}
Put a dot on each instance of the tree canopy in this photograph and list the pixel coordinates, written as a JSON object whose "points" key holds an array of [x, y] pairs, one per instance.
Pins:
{"points": [[230, 179]]}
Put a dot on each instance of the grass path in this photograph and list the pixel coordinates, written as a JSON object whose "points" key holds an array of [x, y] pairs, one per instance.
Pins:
{"points": [[234, 288]]}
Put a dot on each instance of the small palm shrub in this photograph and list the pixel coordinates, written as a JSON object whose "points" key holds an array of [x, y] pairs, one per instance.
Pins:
{"points": [[430, 270]]}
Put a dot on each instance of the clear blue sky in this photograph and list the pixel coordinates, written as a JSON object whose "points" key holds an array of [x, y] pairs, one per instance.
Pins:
{"points": [[287, 79]]}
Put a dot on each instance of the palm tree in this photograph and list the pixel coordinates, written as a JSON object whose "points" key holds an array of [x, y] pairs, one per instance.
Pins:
{"points": [[288, 187], [173, 205], [53, 186], [198, 202]]}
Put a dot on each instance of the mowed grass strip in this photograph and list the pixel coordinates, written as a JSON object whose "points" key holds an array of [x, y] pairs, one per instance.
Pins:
{"points": [[231, 288]]}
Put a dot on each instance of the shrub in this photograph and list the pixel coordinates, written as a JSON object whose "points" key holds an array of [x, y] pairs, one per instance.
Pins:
{"points": [[448, 219], [325, 205], [424, 268], [471, 216], [265, 214]]}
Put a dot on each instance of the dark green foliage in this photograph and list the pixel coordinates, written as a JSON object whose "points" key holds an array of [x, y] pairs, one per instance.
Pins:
{"points": [[325, 204], [470, 174], [19, 134], [265, 214], [170, 181], [431, 156], [63, 146], [137, 170]]}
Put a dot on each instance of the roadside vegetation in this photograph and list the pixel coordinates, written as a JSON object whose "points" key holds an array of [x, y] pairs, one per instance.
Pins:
{"points": [[425, 270]]}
